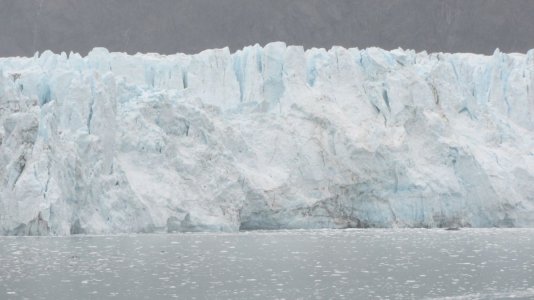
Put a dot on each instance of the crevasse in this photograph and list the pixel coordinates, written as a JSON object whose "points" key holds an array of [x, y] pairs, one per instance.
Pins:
{"points": [[265, 138]]}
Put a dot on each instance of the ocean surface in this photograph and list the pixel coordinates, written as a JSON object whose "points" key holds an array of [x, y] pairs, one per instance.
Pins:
{"points": [[307, 264]]}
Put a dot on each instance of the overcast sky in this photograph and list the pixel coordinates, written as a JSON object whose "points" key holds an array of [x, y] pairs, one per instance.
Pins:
{"points": [[170, 26]]}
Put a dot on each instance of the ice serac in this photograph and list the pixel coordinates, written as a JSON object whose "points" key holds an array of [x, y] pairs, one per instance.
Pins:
{"points": [[265, 138]]}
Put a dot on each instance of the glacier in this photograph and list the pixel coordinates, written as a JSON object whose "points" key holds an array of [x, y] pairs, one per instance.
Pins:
{"points": [[273, 137]]}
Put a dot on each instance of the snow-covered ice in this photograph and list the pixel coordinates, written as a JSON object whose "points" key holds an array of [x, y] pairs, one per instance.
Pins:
{"points": [[264, 138]]}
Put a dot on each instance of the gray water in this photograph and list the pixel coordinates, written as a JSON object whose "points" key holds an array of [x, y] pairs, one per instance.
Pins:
{"points": [[320, 264]]}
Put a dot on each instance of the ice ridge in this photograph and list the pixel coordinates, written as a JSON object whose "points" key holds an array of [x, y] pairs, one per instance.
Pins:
{"points": [[267, 137]]}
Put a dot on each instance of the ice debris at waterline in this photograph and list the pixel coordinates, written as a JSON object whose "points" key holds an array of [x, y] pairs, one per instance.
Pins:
{"points": [[267, 137]]}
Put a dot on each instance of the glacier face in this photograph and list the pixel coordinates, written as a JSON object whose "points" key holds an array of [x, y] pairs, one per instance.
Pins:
{"points": [[265, 138]]}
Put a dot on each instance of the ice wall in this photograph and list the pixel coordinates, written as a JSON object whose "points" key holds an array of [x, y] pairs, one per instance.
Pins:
{"points": [[264, 138]]}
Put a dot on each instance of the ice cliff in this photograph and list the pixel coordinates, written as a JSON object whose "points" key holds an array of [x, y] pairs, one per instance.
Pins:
{"points": [[265, 138]]}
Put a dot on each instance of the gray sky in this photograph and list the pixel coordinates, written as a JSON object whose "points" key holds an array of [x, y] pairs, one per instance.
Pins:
{"points": [[170, 26]]}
